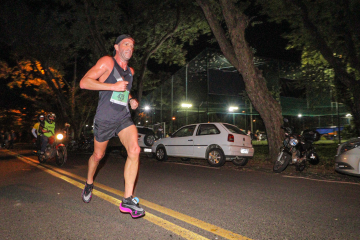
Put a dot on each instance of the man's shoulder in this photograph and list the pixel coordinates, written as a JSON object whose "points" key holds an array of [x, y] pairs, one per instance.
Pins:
{"points": [[106, 60], [106, 63], [132, 70]]}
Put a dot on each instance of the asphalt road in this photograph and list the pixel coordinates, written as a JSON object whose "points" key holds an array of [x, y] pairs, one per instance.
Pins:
{"points": [[182, 201]]}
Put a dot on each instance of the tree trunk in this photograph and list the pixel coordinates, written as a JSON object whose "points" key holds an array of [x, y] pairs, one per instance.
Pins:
{"points": [[240, 55]]}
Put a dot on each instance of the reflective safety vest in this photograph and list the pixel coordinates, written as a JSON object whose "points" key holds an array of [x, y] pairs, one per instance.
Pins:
{"points": [[49, 127]]}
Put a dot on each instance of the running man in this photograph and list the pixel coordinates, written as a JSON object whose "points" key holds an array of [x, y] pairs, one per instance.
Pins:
{"points": [[113, 78]]}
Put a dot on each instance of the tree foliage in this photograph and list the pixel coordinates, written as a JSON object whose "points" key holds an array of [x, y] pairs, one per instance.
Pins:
{"points": [[328, 33], [70, 36]]}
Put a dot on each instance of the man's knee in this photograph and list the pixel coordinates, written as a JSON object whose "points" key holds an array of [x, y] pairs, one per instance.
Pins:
{"points": [[98, 156], [133, 151]]}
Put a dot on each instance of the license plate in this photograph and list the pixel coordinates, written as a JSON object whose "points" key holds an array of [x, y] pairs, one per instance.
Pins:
{"points": [[147, 149], [244, 150]]}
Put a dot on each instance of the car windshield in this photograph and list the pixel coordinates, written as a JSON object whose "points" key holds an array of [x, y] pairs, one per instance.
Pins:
{"points": [[234, 129]]}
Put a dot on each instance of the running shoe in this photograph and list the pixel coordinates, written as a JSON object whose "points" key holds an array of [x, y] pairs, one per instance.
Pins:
{"points": [[131, 205], [87, 192]]}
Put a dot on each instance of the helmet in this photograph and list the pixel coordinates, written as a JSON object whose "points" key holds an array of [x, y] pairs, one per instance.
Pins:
{"points": [[50, 114], [41, 116]]}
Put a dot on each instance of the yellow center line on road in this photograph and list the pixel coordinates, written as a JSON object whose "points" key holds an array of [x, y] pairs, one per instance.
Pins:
{"points": [[152, 218]]}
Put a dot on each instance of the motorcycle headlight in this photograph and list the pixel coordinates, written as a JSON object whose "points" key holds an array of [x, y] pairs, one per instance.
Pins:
{"points": [[293, 142], [59, 136]]}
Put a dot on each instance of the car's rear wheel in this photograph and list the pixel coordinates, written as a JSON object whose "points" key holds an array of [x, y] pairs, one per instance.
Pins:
{"points": [[240, 161], [160, 154], [216, 157]]}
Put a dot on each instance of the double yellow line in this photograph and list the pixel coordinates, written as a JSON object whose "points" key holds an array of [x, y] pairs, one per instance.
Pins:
{"points": [[69, 177]]}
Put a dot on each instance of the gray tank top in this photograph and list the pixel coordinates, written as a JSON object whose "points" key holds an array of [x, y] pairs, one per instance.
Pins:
{"points": [[114, 106]]}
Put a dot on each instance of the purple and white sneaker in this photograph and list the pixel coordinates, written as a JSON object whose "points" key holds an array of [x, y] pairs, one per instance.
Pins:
{"points": [[131, 205], [87, 192]]}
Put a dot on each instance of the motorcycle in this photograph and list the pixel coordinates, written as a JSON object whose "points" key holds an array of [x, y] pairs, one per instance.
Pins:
{"points": [[297, 149], [82, 145], [55, 149]]}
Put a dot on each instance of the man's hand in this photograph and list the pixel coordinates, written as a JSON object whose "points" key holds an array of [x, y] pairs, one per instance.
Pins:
{"points": [[120, 86], [134, 103]]}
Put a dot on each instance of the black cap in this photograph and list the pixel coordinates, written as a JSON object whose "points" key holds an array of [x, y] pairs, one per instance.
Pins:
{"points": [[120, 38]]}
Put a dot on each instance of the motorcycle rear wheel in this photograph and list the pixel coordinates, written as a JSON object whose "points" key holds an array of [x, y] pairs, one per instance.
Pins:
{"points": [[42, 158], [281, 162], [61, 156], [301, 166]]}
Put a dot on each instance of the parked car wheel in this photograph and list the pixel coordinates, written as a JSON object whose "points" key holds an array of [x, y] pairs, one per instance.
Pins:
{"points": [[161, 154], [149, 139], [240, 161], [216, 157]]}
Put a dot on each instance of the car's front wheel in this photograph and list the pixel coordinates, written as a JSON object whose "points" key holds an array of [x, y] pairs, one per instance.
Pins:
{"points": [[160, 154], [216, 157]]}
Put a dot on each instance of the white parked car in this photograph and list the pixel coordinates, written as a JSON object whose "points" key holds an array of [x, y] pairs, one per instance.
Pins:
{"points": [[146, 138], [347, 159], [217, 142]]}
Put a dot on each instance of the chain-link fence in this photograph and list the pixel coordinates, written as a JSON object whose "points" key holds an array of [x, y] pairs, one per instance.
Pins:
{"points": [[205, 89]]}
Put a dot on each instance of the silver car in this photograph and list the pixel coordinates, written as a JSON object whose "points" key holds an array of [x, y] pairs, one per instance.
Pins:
{"points": [[347, 160]]}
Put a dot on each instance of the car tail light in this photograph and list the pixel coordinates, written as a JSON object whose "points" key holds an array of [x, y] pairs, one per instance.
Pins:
{"points": [[230, 138], [139, 136]]}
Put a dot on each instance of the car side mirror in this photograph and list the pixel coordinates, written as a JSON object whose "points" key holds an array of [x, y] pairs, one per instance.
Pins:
{"points": [[286, 120]]}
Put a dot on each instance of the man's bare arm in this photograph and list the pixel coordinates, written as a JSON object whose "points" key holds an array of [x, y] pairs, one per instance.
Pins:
{"points": [[94, 79]]}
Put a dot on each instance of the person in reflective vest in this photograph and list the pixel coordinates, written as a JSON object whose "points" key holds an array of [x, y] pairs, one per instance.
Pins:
{"points": [[48, 130]]}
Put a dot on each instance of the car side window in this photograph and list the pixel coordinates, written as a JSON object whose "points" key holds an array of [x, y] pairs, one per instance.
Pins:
{"points": [[207, 129], [185, 131]]}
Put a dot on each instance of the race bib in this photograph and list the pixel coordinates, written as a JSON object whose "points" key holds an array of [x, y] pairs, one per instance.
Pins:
{"points": [[120, 97]]}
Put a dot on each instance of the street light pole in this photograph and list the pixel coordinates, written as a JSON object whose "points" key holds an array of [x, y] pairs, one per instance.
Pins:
{"points": [[186, 105], [231, 109]]}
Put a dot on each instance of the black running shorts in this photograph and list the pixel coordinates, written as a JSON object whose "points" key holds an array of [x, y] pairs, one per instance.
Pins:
{"points": [[103, 131]]}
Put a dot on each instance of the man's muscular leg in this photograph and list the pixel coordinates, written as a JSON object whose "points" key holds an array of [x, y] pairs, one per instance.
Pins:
{"points": [[129, 138], [98, 154]]}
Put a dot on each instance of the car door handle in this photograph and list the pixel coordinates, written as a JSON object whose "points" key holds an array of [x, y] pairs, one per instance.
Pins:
{"points": [[190, 140]]}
